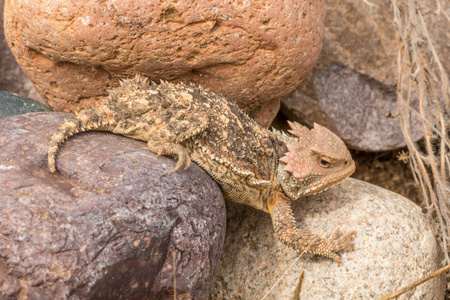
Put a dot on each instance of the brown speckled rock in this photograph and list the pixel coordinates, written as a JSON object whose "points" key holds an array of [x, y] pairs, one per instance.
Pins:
{"points": [[110, 225], [252, 52]]}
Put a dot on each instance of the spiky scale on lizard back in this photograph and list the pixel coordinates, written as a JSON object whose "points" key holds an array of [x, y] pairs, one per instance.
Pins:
{"points": [[252, 165]]}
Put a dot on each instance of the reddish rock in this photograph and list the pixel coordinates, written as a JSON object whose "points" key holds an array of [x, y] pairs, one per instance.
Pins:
{"points": [[114, 223], [252, 52]]}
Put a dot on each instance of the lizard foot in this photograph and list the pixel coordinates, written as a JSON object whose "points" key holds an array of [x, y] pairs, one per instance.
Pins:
{"points": [[329, 246], [164, 148], [289, 233]]}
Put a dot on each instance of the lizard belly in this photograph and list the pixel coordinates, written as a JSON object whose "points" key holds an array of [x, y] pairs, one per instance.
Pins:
{"points": [[240, 188]]}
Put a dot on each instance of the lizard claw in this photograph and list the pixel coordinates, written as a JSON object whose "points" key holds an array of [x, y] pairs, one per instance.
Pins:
{"points": [[183, 159], [335, 243], [160, 152], [164, 148]]}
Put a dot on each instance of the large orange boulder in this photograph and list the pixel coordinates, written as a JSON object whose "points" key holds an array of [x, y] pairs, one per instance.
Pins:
{"points": [[252, 52]]}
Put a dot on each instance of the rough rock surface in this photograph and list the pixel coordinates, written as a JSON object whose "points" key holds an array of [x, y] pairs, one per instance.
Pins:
{"points": [[12, 78], [394, 246], [363, 39], [355, 106], [252, 52], [110, 225], [12, 105]]}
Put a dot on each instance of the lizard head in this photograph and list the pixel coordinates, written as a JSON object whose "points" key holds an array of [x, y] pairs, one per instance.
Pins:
{"points": [[316, 160]]}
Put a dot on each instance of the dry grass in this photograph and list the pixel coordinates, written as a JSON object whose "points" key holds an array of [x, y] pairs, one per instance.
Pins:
{"points": [[422, 78]]}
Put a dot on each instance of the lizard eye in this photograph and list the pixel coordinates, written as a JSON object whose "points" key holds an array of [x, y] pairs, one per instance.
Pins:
{"points": [[325, 162]]}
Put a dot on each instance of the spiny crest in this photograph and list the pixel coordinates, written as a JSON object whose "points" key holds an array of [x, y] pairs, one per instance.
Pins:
{"points": [[305, 139], [130, 90], [319, 140], [299, 130], [138, 81], [327, 143]]}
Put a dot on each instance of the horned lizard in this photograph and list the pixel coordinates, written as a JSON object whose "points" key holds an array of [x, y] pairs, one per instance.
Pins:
{"points": [[252, 165]]}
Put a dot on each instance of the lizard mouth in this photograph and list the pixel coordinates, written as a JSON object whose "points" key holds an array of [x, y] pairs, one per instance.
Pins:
{"points": [[328, 182]]}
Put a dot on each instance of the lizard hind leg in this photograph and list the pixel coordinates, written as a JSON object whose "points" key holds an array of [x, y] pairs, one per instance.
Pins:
{"points": [[168, 139], [161, 147], [287, 230]]}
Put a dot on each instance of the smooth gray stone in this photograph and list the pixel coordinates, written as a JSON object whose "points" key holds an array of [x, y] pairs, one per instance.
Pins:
{"points": [[13, 105]]}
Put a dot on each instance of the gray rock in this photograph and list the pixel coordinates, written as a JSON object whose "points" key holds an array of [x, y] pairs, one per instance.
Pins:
{"points": [[12, 78], [13, 105], [356, 107], [395, 245], [114, 223], [363, 38]]}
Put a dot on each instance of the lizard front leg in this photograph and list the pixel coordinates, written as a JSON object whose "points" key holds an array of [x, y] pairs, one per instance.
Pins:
{"points": [[160, 147], [288, 232]]}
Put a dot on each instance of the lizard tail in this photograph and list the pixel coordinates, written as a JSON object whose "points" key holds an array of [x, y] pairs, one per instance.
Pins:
{"points": [[86, 120]]}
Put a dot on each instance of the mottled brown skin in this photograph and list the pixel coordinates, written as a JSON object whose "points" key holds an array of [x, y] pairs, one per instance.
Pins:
{"points": [[252, 165]]}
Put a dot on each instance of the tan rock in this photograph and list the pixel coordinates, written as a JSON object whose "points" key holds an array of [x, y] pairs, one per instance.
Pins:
{"points": [[252, 52], [395, 246]]}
